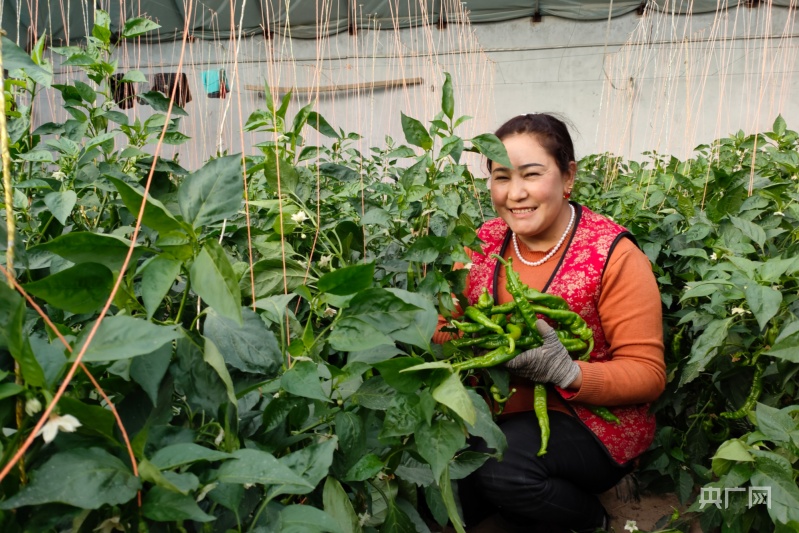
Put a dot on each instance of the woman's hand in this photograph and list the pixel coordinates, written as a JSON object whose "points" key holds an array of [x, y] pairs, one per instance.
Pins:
{"points": [[549, 363]]}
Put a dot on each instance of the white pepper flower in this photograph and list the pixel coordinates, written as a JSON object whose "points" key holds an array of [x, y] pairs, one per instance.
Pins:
{"points": [[66, 423], [299, 217], [33, 406]]}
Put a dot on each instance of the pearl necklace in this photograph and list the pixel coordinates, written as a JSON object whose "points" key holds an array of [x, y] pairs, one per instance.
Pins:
{"points": [[552, 252]]}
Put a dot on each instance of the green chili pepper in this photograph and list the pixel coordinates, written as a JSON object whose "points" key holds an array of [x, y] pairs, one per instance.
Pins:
{"points": [[485, 301], [604, 413], [463, 342], [498, 396], [553, 301], [505, 308], [517, 289], [514, 331], [469, 327], [754, 393], [716, 436], [540, 407], [478, 317], [494, 357], [500, 320]]}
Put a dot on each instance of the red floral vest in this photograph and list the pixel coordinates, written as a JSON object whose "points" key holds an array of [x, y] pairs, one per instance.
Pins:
{"points": [[578, 280]]}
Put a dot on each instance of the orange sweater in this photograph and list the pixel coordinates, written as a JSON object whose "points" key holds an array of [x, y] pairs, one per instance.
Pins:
{"points": [[630, 311]]}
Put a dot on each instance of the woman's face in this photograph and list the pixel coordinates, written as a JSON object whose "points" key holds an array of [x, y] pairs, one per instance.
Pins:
{"points": [[530, 196]]}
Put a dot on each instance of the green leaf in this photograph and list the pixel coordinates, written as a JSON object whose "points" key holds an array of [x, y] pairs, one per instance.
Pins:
{"points": [[763, 301], [195, 379], [311, 463], [160, 103], [86, 247], [787, 344], [447, 97], [15, 58], [102, 26], [213, 279], [256, 466], [750, 230], [397, 521], [367, 467], [338, 505], [465, 463], [452, 393], [79, 289], [776, 424], [402, 416], [7, 390], [122, 337], [705, 348], [731, 451], [217, 362], [382, 310], [158, 276], [60, 204], [779, 126], [87, 92], [306, 519], [392, 372], [213, 193], [425, 320], [269, 278], [352, 334], [37, 156], [484, 426], [156, 215], [164, 505], [318, 122], [490, 146], [374, 393], [415, 132], [438, 442], [448, 496], [250, 347], [302, 380], [280, 174], [185, 453], [149, 473], [149, 370], [347, 280], [134, 76], [784, 492], [91, 478], [138, 26]]}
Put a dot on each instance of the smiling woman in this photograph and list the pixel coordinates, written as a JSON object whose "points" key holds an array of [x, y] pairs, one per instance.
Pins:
{"points": [[563, 248]]}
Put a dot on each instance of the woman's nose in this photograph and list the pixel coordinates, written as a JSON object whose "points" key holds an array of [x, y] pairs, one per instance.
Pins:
{"points": [[516, 190]]}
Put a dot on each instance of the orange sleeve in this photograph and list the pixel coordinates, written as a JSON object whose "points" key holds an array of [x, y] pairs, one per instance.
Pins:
{"points": [[631, 315]]}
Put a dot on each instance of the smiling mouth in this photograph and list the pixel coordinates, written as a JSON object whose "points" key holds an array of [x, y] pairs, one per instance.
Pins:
{"points": [[522, 211]]}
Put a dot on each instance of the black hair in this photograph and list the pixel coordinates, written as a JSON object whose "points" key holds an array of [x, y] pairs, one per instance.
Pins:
{"points": [[551, 132]]}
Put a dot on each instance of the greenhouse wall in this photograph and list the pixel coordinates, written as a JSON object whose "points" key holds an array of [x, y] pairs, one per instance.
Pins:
{"points": [[631, 80]]}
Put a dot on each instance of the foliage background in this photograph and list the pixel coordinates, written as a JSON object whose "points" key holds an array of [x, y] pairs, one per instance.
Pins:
{"points": [[232, 340]]}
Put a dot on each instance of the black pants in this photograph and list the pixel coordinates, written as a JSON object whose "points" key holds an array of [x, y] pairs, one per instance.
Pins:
{"points": [[555, 492]]}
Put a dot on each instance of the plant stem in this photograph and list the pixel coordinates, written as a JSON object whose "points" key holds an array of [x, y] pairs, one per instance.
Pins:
{"points": [[260, 510], [183, 300], [11, 231]]}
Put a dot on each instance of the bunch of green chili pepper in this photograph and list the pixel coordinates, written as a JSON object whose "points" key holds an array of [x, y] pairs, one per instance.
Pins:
{"points": [[508, 329]]}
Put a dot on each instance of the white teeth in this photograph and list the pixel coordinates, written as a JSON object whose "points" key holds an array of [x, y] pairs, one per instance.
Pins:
{"points": [[519, 211]]}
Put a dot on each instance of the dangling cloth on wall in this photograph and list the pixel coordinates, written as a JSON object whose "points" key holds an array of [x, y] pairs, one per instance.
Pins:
{"points": [[164, 82], [124, 93], [215, 83]]}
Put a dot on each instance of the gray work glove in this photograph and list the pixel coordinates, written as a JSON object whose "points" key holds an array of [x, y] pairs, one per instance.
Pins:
{"points": [[549, 363]]}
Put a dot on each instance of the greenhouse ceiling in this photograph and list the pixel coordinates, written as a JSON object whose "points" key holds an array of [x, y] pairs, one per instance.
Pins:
{"points": [[68, 20]]}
